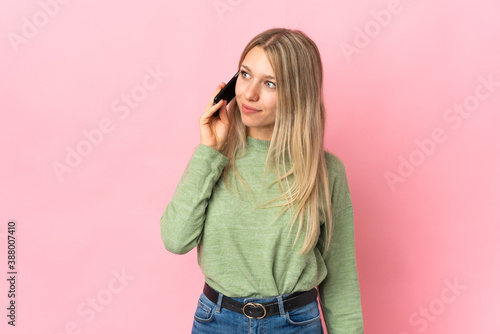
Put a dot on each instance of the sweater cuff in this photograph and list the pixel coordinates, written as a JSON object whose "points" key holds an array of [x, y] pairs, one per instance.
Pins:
{"points": [[216, 159]]}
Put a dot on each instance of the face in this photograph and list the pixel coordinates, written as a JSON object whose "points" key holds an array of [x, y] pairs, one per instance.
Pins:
{"points": [[256, 94]]}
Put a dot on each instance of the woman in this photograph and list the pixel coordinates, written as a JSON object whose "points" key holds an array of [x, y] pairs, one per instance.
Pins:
{"points": [[269, 210]]}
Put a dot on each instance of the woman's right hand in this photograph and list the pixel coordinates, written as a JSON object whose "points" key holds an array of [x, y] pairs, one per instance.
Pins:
{"points": [[214, 130]]}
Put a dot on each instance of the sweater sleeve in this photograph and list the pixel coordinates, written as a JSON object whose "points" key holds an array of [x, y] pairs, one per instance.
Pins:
{"points": [[183, 219], [339, 291]]}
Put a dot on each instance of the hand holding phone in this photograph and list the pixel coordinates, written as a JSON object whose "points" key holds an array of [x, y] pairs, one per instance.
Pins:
{"points": [[213, 128], [228, 92]]}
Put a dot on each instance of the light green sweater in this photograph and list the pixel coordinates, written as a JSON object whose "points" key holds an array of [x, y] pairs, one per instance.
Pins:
{"points": [[242, 253]]}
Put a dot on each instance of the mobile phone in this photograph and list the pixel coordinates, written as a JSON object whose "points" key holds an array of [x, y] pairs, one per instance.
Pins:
{"points": [[228, 92]]}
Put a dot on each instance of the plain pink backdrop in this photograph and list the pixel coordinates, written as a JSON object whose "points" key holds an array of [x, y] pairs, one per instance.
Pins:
{"points": [[124, 82]]}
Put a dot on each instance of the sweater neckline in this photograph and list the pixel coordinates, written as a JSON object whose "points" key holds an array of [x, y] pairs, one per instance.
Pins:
{"points": [[258, 144]]}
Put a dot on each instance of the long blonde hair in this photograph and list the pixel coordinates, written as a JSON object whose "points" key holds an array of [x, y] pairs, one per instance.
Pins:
{"points": [[296, 152]]}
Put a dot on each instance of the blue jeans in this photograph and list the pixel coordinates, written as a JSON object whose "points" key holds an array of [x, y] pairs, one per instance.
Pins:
{"points": [[211, 318]]}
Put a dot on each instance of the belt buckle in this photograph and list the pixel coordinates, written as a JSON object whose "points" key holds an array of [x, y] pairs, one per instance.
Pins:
{"points": [[254, 305]]}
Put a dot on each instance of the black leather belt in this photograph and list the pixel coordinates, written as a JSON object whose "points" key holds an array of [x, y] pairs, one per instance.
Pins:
{"points": [[256, 310]]}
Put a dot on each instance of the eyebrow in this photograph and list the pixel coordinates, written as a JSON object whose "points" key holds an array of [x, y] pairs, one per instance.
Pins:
{"points": [[267, 76]]}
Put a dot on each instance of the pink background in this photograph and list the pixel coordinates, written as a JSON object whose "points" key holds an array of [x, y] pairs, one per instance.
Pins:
{"points": [[427, 243]]}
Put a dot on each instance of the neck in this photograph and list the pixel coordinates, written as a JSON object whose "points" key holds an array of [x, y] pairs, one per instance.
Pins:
{"points": [[261, 135]]}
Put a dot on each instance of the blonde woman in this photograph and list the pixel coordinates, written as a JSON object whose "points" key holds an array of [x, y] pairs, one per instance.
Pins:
{"points": [[267, 207]]}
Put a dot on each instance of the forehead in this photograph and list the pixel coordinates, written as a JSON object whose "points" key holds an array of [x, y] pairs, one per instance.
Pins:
{"points": [[256, 60]]}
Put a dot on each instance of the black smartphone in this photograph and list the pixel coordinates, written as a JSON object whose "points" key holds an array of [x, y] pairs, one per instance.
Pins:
{"points": [[228, 92]]}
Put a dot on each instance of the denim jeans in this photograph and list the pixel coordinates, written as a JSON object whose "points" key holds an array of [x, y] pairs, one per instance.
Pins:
{"points": [[211, 318]]}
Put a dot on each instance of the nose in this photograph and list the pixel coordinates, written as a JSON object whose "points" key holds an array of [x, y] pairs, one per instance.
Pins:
{"points": [[252, 92]]}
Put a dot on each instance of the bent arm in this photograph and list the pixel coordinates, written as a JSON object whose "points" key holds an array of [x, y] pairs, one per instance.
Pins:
{"points": [[182, 222]]}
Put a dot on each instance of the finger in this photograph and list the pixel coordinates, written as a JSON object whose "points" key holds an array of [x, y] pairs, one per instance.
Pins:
{"points": [[219, 88], [211, 109], [218, 107]]}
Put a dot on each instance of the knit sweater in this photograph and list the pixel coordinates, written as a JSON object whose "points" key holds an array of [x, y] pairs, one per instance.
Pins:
{"points": [[244, 252]]}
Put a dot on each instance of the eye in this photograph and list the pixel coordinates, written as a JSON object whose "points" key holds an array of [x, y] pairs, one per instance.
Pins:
{"points": [[270, 84], [244, 74]]}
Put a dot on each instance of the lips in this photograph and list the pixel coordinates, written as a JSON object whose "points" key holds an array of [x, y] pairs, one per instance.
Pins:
{"points": [[249, 110]]}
